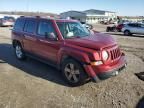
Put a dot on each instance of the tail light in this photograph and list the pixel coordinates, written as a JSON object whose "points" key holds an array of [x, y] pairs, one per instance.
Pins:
{"points": [[120, 26]]}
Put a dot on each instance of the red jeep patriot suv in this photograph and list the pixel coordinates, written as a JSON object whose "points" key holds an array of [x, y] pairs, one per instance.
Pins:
{"points": [[70, 47]]}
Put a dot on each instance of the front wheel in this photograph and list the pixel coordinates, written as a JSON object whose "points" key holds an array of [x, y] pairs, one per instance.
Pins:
{"points": [[74, 73], [127, 33], [19, 52]]}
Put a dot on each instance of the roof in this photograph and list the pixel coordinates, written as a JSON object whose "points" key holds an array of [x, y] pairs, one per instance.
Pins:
{"points": [[90, 11], [94, 11], [46, 18], [74, 11]]}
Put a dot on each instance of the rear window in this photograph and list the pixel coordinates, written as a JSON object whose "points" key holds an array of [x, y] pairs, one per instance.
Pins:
{"points": [[30, 26], [19, 25]]}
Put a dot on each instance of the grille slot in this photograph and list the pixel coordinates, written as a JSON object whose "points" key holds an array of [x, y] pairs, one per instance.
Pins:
{"points": [[115, 53]]}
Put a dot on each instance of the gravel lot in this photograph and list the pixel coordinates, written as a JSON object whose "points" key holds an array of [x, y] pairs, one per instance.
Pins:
{"points": [[31, 84]]}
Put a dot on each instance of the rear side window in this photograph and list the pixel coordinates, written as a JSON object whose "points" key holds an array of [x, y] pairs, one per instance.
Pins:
{"points": [[19, 25], [30, 26]]}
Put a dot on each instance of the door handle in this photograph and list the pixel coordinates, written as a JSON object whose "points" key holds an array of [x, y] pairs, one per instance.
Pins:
{"points": [[44, 41], [30, 38]]}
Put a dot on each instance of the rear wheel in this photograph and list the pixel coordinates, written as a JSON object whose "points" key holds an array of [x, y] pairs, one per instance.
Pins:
{"points": [[19, 52], [74, 73]]}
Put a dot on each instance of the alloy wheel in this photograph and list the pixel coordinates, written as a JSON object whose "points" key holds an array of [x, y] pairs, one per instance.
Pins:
{"points": [[72, 73], [18, 51]]}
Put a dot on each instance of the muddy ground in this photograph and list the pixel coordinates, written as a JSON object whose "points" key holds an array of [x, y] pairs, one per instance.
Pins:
{"points": [[31, 84]]}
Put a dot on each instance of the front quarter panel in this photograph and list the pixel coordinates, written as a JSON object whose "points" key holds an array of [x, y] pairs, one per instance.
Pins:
{"points": [[76, 54]]}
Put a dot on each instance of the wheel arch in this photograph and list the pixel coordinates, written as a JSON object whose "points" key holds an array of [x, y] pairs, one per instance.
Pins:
{"points": [[14, 42], [79, 56], [127, 30], [65, 57]]}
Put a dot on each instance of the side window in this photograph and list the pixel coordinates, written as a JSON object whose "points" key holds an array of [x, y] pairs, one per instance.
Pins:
{"points": [[19, 25], [142, 25], [46, 29], [130, 25], [133, 25], [30, 26]]}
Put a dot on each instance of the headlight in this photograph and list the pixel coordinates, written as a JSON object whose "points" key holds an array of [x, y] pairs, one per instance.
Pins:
{"points": [[105, 55]]}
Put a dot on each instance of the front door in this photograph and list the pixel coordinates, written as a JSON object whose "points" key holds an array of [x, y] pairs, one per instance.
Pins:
{"points": [[47, 45], [141, 28]]}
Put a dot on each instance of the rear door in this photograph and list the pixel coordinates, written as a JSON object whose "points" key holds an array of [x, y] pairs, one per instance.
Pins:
{"points": [[29, 34], [134, 28], [17, 32]]}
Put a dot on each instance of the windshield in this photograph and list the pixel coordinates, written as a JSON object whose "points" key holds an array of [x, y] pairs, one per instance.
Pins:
{"points": [[72, 29]]}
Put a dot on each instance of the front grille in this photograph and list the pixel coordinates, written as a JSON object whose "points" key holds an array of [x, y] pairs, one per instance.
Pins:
{"points": [[115, 53]]}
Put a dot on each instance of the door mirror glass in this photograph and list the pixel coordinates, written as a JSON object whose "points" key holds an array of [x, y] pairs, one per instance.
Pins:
{"points": [[50, 36], [47, 30]]}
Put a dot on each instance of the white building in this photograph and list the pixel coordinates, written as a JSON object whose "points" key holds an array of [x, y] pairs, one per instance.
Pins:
{"points": [[95, 16], [90, 16], [81, 16]]}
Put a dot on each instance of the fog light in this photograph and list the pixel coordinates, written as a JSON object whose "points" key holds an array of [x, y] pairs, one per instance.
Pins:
{"points": [[116, 73], [96, 63]]}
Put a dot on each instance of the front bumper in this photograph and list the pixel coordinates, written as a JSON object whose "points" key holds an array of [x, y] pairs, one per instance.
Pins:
{"points": [[103, 72], [106, 75]]}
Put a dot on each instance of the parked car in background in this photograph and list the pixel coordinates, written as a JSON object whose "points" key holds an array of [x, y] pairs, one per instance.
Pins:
{"points": [[115, 28], [119, 27], [88, 26], [106, 22], [111, 28], [103, 22], [68, 46], [7, 21], [133, 28]]}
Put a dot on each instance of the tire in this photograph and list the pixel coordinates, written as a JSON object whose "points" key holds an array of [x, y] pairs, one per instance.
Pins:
{"points": [[19, 53], [107, 29], [119, 30], [73, 73], [127, 33], [115, 30]]}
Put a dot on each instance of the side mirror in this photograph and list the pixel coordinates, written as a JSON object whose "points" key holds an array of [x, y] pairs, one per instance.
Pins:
{"points": [[91, 27], [93, 31], [51, 36]]}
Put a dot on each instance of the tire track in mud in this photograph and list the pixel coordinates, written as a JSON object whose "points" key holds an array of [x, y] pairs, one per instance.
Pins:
{"points": [[134, 51], [4, 37]]}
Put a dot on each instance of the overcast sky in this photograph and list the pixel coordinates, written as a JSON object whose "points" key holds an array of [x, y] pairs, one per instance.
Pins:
{"points": [[122, 7]]}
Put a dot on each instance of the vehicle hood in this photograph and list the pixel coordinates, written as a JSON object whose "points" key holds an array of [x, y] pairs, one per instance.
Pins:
{"points": [[98, 41]]}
